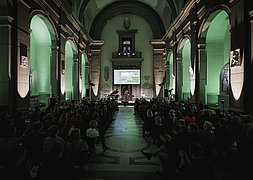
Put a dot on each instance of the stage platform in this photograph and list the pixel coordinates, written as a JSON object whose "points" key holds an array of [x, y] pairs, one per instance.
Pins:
{"points": [[125, 103]]}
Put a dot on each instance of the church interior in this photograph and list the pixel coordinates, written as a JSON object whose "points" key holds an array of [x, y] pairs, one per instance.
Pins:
{"points": [[126, 89]]}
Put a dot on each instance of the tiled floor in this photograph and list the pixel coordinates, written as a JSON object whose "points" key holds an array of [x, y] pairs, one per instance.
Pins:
{"points": [[123, 160]]}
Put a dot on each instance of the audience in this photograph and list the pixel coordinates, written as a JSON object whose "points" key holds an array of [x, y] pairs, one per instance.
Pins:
{"points": [[190, 140]]}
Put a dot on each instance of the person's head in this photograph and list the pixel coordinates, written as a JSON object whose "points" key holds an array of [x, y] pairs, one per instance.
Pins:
{"points": [[190, 113], [206, 106], [78, 117], [236, 120], [192, 127], [217, 111], [53, 131], [36, 126], [172, 112], [196, 151], [158, 121], [93, 124], [207, 126], [165, 137], [181, 122], [75, 134], [177, 129]]}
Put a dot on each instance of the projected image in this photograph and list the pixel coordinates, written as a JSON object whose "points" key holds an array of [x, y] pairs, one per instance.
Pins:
{"points": [[127, 76]]}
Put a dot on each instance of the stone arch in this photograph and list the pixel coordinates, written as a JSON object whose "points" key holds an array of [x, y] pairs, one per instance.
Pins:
{"points": [[71, 70], [184, 67], [48, 20], [85, 74], [170, 73], [214, 54], [120, 7], [43, 58]]}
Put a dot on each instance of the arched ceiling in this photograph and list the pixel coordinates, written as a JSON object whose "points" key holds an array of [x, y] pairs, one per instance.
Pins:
{"points": [[158, 13]]}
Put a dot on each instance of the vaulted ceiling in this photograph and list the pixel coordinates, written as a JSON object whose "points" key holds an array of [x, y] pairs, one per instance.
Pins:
{"points": [[94, 14]]}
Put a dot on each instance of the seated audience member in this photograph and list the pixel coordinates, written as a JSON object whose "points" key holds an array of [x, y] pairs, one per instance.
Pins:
{"points": [[8, 139], [162, 151], [52, 138], [223, 137], [33, 143], [92, 134], [195, 166], [56, 166], [77, 148], [190, 118], [14, 169], [157, 129], [246, 149], [67, 127]]}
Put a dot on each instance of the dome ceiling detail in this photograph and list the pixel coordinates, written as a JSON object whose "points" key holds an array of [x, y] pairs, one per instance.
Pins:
{"points": [[160, 13]]}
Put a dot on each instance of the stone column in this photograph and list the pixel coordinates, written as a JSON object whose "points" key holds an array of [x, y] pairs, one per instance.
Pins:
{"points": [[5, 63], [194, 58], [95, 67], [159, 66], [75, 78], [54, 69], [21, 66], [62, 66], [179, 76], [167, 75], [202, 74]]}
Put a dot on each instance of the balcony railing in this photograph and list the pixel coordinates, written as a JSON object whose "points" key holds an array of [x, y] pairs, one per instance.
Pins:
{"points": [[116, 55]]}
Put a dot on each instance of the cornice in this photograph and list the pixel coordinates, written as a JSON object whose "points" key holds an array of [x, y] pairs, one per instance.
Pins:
{"points": [[201, 12], [48, 9], [58, 3], [82, 33], [24, 4], [181, 18], [82, 45], [70, 31], [41, 3], [187, 27], [251, 13], [6, 19], [62, 27], [74, 22], [158, 43], [180, 34], [96, 43]]}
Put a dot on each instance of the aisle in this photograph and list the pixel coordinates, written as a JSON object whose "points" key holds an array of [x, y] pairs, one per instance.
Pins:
{"points": [[123, 159]]}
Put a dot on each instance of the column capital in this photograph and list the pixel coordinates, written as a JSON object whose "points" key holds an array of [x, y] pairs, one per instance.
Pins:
{"points": [[5, 21], [201, 46], [179, 59]]}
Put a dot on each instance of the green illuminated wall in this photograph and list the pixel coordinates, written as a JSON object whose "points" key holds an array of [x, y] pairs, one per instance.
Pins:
{"points": [[101, 3], [217, 48], [186, 62], [152, 2], [40, 59], [69, 55], [142, 44]]}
